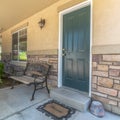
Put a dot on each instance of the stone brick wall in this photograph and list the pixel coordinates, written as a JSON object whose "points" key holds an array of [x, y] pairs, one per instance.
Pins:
{"points": [[106, 81], [6, 56]]}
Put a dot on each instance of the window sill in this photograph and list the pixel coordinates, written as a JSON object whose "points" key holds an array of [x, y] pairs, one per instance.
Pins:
{"points": [[20, 63]]}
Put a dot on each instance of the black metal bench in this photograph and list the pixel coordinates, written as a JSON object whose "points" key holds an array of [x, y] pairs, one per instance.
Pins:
{"points": [[34, 74]]}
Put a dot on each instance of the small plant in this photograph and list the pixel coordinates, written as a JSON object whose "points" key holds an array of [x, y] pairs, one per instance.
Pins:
{"points": [[1, 71]]}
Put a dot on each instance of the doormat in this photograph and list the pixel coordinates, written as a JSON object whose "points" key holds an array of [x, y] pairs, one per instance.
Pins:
{"points": [[56, 110]]}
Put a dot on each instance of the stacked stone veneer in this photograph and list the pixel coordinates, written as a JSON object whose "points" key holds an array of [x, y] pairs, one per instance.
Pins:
{"points": [[106, 81], [53, 61], [6, 56]]}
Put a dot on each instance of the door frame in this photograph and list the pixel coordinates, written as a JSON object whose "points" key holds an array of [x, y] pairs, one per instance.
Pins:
{"points": [[69, 10]]}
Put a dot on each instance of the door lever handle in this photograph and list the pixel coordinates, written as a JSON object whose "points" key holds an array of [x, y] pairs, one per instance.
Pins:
{"points": [[64, 52]]}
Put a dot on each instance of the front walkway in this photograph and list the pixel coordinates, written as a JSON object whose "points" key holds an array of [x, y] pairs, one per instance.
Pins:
{"points": [[16, 105]]}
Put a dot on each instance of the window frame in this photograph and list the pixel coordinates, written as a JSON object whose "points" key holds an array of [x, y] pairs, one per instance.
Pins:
{"points": [[18, 60]]}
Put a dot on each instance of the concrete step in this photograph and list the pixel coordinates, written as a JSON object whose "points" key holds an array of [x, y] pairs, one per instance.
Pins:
{"points": [[71, 98]]}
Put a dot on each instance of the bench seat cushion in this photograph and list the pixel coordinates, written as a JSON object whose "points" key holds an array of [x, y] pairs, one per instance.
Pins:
{"points": [[27, 79]]}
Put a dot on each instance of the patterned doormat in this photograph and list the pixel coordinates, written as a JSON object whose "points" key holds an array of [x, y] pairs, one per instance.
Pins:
{"points": [[56, 110]]}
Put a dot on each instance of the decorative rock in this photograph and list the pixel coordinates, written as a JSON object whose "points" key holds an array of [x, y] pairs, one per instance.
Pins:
{"points": [[97, 109]]}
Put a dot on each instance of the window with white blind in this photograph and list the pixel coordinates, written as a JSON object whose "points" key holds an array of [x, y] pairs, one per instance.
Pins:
{"points": [[19, 45]]}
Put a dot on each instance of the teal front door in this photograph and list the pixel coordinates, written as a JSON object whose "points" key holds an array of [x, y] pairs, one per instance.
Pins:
{"points": [[76, 49]]}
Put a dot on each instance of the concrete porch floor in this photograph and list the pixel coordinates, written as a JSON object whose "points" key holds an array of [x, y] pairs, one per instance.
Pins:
{"points": [[16, 105]]}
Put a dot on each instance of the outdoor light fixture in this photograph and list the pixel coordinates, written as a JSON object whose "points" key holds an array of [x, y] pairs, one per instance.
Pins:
{"points": [[41, 23]]}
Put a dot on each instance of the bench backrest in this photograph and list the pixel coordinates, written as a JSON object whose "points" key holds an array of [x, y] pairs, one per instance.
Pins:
{"points": [[43, 68]]}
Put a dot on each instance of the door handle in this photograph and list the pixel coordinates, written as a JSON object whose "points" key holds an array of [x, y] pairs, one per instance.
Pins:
{"points": [[64, 52]]}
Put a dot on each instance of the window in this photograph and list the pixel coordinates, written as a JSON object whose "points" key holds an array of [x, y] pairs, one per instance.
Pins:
{"points": [[19, 45]]}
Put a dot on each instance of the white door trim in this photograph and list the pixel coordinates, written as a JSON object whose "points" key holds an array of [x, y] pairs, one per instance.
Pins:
{"points": [[76, 7]]}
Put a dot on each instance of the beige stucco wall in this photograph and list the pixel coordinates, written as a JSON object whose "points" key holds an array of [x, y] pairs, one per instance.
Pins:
{"points": [[38, 39], [106, 26]]}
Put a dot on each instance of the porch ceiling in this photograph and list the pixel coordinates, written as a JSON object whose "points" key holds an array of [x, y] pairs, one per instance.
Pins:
{"points": [[14, 11]]}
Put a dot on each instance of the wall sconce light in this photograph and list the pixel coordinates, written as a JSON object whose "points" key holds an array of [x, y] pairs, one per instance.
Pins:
{"points": [[41, 23]]}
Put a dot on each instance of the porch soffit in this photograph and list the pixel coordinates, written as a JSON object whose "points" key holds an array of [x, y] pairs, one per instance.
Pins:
{"points": [[14, 11]]}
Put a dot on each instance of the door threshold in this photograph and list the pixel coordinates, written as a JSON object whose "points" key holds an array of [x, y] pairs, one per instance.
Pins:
{"points": [[75, 90]]}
